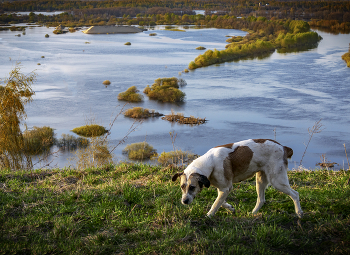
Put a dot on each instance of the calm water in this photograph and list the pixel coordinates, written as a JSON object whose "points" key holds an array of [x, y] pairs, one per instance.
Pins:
{"points": [[282, 95]]}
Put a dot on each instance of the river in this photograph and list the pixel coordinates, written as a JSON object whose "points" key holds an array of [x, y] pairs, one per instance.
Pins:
{"points": [[280, 96]]}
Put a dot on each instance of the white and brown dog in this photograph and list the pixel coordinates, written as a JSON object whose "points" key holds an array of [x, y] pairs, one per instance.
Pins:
{"points": [[231, 163]]}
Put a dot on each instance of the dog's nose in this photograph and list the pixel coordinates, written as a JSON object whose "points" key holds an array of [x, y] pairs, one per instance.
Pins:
{"points": [[186, 201]]}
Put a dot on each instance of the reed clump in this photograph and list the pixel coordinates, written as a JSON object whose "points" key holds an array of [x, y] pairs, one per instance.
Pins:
{"points": [[166, 90], [106, 82], [38, 140], [130, 95], [140, 151], [57, 31], [70, 142], [92, 130], [346, 58], [180, 118], [176, 158], [141, 113]]}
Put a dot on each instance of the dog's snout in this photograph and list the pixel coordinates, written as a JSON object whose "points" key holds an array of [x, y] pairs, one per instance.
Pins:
{"points": [[186, 201]]}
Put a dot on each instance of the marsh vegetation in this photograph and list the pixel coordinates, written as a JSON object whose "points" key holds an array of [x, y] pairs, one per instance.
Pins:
{"points": [[106, 82], [346, 58], [181, 119], [91, 130], [166, 90], [140, 151], [130, 95], [263, 38], [38, 140], [141, 113]]}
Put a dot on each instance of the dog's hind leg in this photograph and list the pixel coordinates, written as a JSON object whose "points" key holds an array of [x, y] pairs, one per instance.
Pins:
{"points": [[281, 183], [261, 185]]}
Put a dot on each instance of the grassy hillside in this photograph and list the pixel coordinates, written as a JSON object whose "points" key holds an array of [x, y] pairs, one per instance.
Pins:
{"points": [[136, 209]]}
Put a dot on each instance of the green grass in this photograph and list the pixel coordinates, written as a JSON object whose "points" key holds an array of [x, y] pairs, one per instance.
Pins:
{"points": [[136, 209]]}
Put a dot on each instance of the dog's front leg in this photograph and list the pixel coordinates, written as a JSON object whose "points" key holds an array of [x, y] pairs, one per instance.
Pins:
{"points": [[222, 195]]}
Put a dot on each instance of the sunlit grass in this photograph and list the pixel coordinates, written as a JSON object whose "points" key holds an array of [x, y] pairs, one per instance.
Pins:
{"points": [[136, 209]]}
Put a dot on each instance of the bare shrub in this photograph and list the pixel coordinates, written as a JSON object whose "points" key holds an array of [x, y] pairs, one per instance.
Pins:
{"points": [[13, 97]]}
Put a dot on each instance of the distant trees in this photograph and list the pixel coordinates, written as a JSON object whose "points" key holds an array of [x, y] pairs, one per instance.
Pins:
{"points": [[263, 38], [15, 93]]}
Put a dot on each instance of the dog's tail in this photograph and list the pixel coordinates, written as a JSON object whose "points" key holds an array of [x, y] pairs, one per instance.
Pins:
{"points": [[288, 152]]}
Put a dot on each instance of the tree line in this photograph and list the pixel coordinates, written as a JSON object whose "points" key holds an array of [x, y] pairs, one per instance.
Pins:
{"points": [[307, 10]]}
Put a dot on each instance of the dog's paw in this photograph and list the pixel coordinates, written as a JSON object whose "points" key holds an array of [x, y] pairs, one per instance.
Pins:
{"points": [[209, 215], [231, 209], [300, 214]]}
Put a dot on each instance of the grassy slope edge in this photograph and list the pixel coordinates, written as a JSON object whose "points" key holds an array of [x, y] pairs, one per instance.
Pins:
{"points": [[136, 209]]}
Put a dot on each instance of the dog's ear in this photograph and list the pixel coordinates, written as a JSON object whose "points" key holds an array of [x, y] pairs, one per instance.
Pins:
{"points": [[203, 179], [175, 176]]}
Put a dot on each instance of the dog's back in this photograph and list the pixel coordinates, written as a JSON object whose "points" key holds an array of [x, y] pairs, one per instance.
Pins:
{"points": [[242, 160]]}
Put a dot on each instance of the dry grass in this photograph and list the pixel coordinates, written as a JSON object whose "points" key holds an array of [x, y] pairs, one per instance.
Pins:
{"points": [[141, 113], [180, 118]]}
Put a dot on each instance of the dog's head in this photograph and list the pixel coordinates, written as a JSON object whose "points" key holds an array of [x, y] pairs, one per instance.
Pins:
{"points": [[191, 187]]}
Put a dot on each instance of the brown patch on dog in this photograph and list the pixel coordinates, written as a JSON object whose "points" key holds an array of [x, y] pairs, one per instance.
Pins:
{"points": [[264, 140], [228, 146], [237, 162]]}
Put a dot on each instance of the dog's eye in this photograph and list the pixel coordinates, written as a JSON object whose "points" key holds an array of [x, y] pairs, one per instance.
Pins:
{"points": [[183, 186], [192, 188]]}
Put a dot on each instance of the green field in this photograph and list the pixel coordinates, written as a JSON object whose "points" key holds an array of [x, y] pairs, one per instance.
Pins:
{"points": [[136, 209]]}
